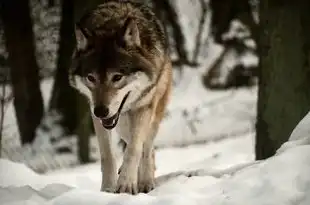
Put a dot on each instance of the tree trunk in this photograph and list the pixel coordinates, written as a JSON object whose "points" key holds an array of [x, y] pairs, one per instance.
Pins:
{"points": [[51, 3], [24, 75], [66, 100], [64, 97], [284, 47], [83, 131], [171, 17]]}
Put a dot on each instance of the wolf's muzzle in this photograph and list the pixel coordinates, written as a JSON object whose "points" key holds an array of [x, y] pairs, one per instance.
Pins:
{"points": [[110, 123]]}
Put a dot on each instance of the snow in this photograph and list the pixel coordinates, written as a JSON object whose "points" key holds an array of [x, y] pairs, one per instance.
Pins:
{"points": [[199, 119], [282, 179], [205, 143], [300, 135]]}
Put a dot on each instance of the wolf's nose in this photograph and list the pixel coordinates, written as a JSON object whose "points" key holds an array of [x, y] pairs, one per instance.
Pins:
{"points": [[101, 111]]}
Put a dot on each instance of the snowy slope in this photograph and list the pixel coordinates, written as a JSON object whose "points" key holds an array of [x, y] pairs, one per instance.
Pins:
{"points": [[283, 179]]}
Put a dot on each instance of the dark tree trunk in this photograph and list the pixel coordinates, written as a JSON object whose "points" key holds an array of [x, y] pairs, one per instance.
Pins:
{"points": [[64, 97], [51, 3], [284, 96], [83, 131], [171, 18], [66, 100], [23, 66]]}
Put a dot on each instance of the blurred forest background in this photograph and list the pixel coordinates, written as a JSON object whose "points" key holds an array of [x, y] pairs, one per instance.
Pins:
{"points": [[37, 41]]}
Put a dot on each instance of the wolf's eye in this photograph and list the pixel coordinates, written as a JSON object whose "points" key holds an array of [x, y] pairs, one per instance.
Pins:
{"points": [[91, 78], [117, 77]]}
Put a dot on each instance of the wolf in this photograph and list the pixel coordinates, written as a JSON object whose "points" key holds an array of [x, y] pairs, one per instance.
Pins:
{"points": [[121, 64]]}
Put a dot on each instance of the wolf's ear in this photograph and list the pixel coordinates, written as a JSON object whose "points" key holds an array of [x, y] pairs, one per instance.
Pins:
{"points": [[81, 40], [131, 34]]}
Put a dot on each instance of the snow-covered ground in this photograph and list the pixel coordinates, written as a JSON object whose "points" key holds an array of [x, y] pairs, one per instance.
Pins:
{"points": [[195, 115], [205, 145], [204, 133], [282, 179]]}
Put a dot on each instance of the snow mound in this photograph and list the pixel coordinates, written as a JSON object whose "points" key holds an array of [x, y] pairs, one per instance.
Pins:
{"points": [[282, 179], [299, 136]]}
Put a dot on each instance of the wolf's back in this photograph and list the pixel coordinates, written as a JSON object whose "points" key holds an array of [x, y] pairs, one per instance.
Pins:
{"points": [[109, 17]]}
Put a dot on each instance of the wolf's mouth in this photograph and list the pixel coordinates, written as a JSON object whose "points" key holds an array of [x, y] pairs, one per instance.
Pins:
{"points": [[110, 123]]}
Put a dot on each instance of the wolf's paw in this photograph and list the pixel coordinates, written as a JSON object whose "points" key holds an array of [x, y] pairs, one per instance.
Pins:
{"points": [[108, 183], [126, 184], [127, 187], [107, 189], [146, 185]]}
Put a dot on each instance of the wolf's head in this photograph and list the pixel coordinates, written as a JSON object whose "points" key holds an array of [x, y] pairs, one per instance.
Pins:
{"points": [[111, 70]]}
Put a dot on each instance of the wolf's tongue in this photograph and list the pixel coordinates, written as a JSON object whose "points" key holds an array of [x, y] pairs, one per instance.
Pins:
{"points": [[113, 121]]}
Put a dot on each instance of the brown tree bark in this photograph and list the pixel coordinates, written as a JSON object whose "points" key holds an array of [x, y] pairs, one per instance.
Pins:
{"points": [[24, 74], [284, 48]]}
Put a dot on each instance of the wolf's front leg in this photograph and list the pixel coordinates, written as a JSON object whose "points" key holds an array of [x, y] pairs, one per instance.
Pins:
{"points": [[108, 158], [140, 126], [146, 173]]}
